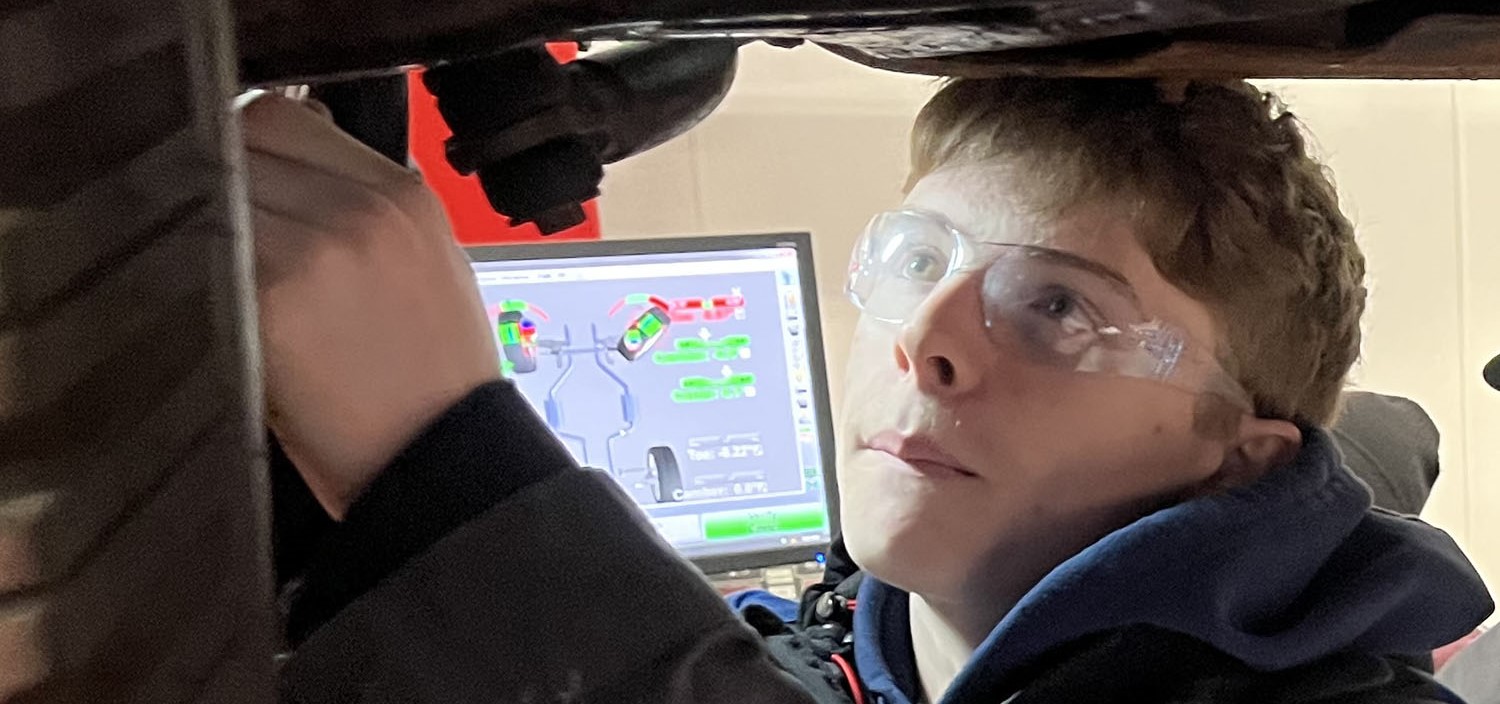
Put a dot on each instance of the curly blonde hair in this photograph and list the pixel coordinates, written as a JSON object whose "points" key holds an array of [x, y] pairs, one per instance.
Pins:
{"points": [[1230, 205]]}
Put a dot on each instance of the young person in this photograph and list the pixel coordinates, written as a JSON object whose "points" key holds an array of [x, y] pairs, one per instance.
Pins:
{"points": [[1082, 457], [1100, 343]]}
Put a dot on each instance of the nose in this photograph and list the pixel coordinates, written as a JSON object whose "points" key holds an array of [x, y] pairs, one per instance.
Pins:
{"points": [[943, 344]]}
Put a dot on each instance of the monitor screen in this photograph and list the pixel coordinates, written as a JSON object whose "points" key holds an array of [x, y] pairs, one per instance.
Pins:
{"points": [[691, 370]]}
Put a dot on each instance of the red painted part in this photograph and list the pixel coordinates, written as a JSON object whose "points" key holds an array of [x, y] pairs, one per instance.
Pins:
{"points": [[474, 221]]}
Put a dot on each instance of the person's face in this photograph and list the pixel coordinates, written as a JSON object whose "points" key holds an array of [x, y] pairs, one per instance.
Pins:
{"points": [[958, 459]]}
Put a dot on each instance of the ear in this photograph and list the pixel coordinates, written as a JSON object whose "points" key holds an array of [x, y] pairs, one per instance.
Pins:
{"points": [[1259, 446]]}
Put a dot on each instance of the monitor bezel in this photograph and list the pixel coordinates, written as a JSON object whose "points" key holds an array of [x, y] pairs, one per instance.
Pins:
{"points": [[801, 243]]}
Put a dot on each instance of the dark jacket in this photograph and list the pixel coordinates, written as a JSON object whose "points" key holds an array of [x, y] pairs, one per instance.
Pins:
{"points": [[483, 566], [1288, 590]]}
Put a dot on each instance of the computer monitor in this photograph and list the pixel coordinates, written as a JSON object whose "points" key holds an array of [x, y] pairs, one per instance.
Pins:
{"points": [[691, 370]]}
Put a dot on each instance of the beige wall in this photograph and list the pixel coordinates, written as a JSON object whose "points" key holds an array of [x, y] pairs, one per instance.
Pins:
{"points": [[810, 142]]}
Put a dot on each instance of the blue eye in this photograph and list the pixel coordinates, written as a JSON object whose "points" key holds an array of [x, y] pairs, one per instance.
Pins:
{"points": [[920, 264], [1064, 306], [1058, 306], [923, 267], [1059, 321]]}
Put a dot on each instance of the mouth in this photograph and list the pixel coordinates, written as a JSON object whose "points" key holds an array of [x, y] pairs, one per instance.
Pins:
{"points": [[919, 453]]}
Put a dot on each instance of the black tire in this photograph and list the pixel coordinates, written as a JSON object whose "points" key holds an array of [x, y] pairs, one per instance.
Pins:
{"points": [[661, 462], [130, 444]]}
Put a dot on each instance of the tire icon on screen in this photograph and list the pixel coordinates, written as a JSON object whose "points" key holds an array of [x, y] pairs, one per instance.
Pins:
{"points": [[661, 463]]}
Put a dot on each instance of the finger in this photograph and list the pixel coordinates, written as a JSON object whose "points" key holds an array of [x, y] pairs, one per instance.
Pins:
{"points": [[293, 131], [281, 246], [320, 200], [243, 100], [318, 107]]}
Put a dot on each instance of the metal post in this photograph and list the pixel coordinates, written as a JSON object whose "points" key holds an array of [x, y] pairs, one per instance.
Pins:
{"points": [[133, 550]]}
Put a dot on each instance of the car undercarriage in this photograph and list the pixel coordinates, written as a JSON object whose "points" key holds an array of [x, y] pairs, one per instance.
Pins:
{"points": [[134, 503]]}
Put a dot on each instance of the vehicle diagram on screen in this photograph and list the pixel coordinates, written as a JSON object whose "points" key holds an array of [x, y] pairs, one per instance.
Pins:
{"points": [[663, 389]]}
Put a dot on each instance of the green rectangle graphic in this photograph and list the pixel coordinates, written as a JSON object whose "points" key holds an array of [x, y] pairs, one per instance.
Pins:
{"points": [[744, 525], [694, 395], [679, 357], [650, 325]]}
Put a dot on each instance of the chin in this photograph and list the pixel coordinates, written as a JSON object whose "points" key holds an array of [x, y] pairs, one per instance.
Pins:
{"points": [[908, 531], [901, 561], [909, 547]]}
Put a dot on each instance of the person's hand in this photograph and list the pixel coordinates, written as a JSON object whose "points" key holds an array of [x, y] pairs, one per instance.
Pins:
{"points": [[371, 324]]}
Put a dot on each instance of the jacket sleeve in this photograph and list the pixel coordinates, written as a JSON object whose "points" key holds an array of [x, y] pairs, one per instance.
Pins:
{"points": [[483, 566]]}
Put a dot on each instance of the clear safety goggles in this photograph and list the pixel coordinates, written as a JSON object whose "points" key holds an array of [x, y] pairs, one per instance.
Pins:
{"points": [[1052, 307]]}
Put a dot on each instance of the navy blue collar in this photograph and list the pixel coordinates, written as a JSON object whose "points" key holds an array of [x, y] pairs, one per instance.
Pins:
{"points": [[1276, 574]]}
